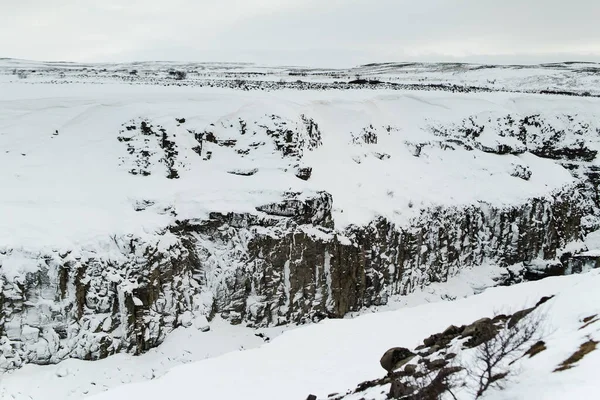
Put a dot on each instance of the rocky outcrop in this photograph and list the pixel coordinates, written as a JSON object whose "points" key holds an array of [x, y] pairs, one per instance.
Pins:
{"points": [[436, 369], [558, 137], [282, 271], [89, 306]]}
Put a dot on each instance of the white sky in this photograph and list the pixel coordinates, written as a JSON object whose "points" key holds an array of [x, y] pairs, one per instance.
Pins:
{"points": [[302, 32]]}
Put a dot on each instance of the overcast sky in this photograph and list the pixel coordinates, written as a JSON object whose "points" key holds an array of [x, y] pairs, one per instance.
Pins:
{"points": [[301, 32]]}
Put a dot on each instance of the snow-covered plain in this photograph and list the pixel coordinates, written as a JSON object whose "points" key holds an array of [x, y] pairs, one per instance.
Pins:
{"points": [[570, 77], [335, 355]]}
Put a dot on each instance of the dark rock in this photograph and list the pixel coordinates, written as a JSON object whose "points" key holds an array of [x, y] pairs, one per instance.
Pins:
{"points": [[450, 356], [395, 358], [576, 264], [400, 389], [227, 143], [500, 317], [518, 316], [433, 349], [543, 300], [381, 156], [246, 172], [298, 275], [311, 397], [536, 272], [304, 173], [521, 171], [431, 340], [436, 364], [479, 331], [575, 153], [410, 369], [315, 210], [501, 149], [432, 390], [452, 331]]}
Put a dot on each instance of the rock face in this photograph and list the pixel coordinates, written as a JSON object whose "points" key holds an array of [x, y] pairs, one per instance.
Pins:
{"points": [[88, 307], [283, 263], [282, 271]]}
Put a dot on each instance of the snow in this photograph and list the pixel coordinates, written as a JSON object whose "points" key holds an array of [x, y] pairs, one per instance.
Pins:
{"points": [[65, 187], [335, 355], [72, 189], [571, 77], [72, 379]]}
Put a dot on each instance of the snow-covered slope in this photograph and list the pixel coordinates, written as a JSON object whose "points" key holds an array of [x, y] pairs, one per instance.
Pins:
{"points": [[335, 355]]}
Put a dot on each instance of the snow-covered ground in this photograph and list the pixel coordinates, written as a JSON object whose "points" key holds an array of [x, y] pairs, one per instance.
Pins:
{"points": [[80, 170], [335, 355], [66, 180]]}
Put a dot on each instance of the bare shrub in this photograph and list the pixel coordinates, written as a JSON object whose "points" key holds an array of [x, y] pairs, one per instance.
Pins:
{"points": [[493, 362]]}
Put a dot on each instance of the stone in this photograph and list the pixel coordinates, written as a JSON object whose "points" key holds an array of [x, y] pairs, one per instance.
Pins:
{"points": [[185, 319], [471, 329], [410, 369], [431, 340], [451, 331], [304, 173], [400, 389], [436, 364], [395, 358], [201, 323], [433, 349], [518, 316], [479, 332], [521, 171], [450, 356], [62, 371]]}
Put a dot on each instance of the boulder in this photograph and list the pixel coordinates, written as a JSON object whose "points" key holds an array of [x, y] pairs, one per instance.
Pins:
{"points": [[479, 332], [396, 357], [304, 173], [518, 316]]}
